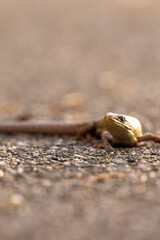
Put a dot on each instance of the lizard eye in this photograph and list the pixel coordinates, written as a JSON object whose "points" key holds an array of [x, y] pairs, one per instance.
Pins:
{"points": [[121, 118]]}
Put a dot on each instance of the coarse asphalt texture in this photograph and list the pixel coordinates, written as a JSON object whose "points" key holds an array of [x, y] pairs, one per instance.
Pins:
{"points": [[76, 60]]}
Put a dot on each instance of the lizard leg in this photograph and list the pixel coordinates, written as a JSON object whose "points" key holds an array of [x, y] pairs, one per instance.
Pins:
{"points": [[106, 139], [149, 137]]}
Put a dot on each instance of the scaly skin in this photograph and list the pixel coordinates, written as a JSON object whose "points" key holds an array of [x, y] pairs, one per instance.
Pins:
{"points": [[122, 130]]}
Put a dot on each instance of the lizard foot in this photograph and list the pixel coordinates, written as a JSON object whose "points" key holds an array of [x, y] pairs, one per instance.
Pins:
{"points": [[98, 146]]}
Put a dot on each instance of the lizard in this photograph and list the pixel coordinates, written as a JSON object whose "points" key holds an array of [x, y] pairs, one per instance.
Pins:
{"points": [[124, 130], [115, 129]]}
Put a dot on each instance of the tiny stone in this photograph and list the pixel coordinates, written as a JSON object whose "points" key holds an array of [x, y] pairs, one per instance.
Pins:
{"points": [[46, 183], [49, 167], [68, 164], [143, 161], [35, 154], [111, 153], [20, 170], [143, 178], [146, 152], [101, 166], [78, 156], [131, 159], [133, 176], [107, 160], [127, 166], [82, 164], [152, 174], [78, 160], [1, 174], [58, 142], [53, 148], [133, 153], [79, 175], [16, 199], [64, 149], [2, 163], [19, 143]]}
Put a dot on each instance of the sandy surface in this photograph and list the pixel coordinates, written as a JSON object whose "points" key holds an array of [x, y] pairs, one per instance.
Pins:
{"points": [[75, 60]]}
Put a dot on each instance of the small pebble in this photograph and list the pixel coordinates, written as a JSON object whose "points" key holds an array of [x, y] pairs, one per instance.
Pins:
{"points": [[107, 160], [133, 153], [143, 178], [82, 164], [46, 183], [100, 166], [49, 167], [16, 199], [78, 156], [20, 170], [67, 163], [79, 175], [64, 149], [152, 174], [1, 174], [146, 152], [21, 144]]}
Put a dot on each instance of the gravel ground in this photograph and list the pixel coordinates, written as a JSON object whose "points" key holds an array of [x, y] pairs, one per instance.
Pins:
{"points": [[75, 60]]}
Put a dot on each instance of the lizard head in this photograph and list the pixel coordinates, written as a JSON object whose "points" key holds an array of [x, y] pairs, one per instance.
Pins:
{"points": [[122, 127]]}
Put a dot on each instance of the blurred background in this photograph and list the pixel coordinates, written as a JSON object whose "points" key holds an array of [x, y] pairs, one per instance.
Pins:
{"points": [[77, 59]]}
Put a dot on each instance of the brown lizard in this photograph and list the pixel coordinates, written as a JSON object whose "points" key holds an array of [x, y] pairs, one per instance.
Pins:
{"points": [[115, 129]]}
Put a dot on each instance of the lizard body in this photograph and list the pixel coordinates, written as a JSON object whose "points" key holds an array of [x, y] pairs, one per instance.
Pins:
{"points": [[122, 130]]}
